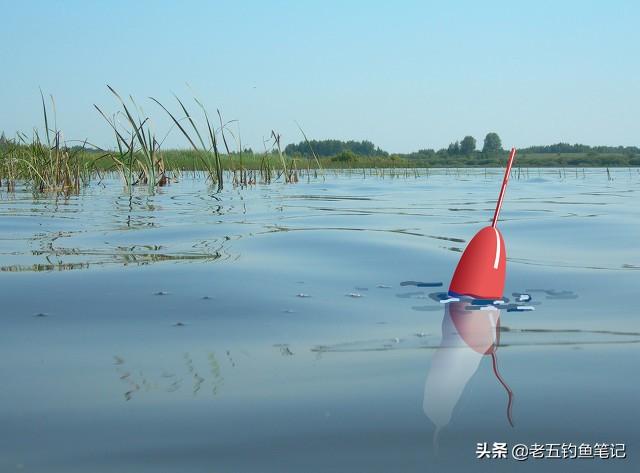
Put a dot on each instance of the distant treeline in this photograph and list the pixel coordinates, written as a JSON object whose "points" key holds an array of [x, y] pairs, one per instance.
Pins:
{"points": [[578, 148], [465, 153], [327, 148], [349, 154], [465, 147]]}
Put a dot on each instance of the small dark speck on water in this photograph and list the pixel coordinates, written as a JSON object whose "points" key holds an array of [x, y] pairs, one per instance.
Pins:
{"points": [[41, 314], [207, 298], [289, 311], [161, 293], [179, 324]]}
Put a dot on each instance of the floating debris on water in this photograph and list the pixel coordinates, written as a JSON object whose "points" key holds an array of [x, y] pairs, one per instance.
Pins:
{"points": [[421, 284], [179, 324], [420, 334], [355, 295], [489, 301], [441, 296], [303, 295], [41, 314], [487, 304], [521, 308], [383, 286], [161, 293], [207, 298], [289, 311], [521, 297]]}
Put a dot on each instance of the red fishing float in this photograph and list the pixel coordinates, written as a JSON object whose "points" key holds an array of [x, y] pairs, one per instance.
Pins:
{"points": [[481, 270]]}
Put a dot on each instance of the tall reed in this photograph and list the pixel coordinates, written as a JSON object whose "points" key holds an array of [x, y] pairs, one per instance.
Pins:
{"points": [[47, 165], [207, 149], [138, 159]]}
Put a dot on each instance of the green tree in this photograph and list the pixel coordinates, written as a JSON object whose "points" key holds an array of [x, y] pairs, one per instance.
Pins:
{"points": [[347, 156], [492, 143], [453, 149], [468, 145], [333, 147]]}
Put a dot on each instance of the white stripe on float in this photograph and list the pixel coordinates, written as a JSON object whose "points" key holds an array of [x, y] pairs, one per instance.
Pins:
{"points": [[496, 261]]}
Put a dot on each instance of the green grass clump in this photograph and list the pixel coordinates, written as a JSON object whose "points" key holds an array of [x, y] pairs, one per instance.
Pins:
{"points": [[48, 165], [138, 159]]}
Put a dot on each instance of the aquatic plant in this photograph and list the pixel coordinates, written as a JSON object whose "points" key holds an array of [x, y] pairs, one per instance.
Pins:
{"points": [[46, 165], [138, 159], [207, 149]]}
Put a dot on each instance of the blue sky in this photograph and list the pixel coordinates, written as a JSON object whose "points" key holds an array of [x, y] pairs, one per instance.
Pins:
{"points": [[404, 74]]}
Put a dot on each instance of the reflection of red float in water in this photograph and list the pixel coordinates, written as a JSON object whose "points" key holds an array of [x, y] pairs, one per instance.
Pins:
{"points": [[481, 270], [467, 336], [481, 334]]}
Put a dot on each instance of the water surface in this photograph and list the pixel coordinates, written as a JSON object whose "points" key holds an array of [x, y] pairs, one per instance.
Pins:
{"points": [[295, 328]]}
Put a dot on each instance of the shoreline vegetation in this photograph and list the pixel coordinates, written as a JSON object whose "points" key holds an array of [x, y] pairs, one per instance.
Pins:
{"points": [[47, 162]]}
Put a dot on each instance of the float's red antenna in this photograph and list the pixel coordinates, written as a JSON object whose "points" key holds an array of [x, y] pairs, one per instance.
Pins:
{"points": [[505, 181]]}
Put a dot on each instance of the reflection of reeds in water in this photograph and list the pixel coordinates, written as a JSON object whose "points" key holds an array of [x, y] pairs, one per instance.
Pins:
{"points": [[136, 381], [122, 257]]}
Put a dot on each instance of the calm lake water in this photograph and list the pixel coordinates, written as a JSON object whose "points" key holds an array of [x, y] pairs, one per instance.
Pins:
{"points": [[296, 328]]}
